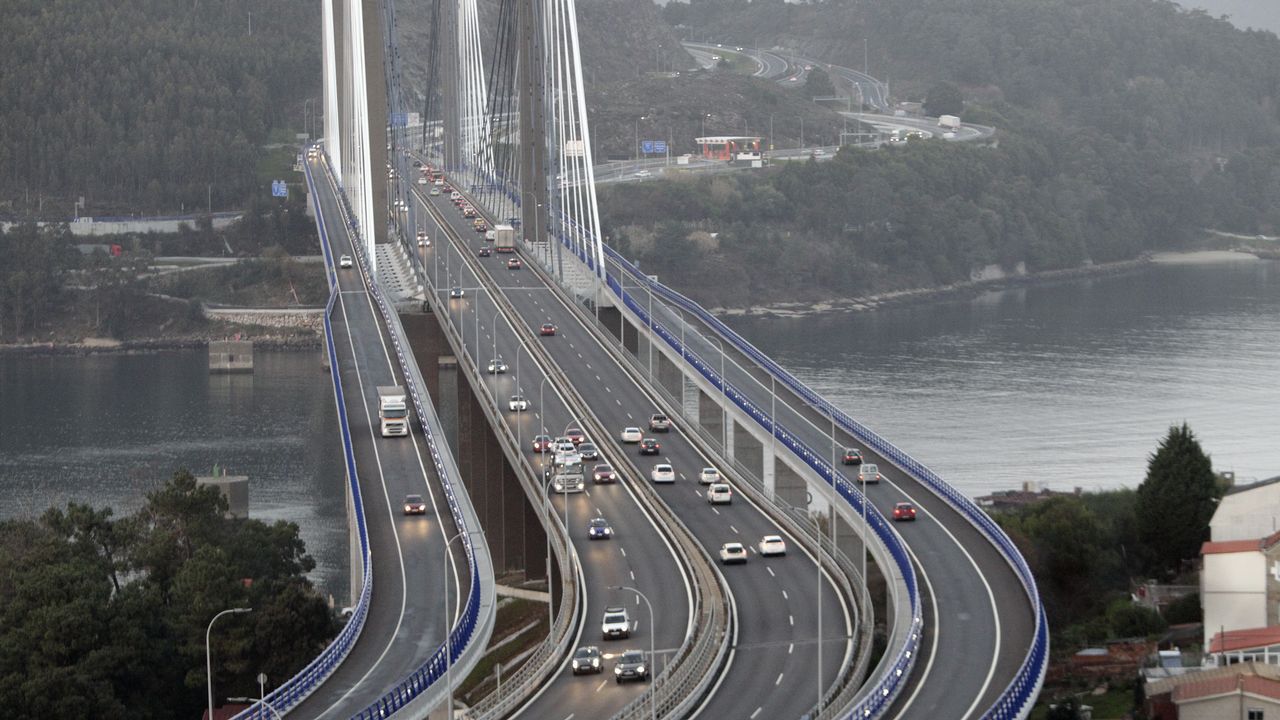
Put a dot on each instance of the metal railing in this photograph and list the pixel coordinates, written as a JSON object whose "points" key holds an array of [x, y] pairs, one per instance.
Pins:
{"points": [[1016, 700], [296, 689], [464, 630]]}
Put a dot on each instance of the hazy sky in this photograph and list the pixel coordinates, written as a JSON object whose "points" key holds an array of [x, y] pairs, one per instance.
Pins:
{"points": [[1260, 14]]}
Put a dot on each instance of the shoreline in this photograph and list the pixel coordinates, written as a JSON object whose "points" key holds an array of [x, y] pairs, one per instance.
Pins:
{"points": [[973, 288], [108, 346]]}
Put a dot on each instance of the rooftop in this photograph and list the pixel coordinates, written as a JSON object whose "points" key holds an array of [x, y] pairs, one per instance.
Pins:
{"points": [[1236, 546]]}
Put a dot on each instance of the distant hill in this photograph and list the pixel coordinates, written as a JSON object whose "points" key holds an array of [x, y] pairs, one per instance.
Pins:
{"points": [[147, 105]]}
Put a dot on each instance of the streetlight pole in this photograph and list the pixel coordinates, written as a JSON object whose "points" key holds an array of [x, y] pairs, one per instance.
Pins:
{"points": [[724, 394], [642, 117], [208, 653], [653, 658], [448, 641], [770, 132]]}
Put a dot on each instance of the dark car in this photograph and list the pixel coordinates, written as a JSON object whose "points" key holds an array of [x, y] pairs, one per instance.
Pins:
{"points": [[631, 666], [852, 456], [575, 435], [486, 251], [542, 443], [547, 329], [904, 511], [604, 473], [588, 660], [414, 505], [457, 292], [649, 446], [588, 451], [598, 529]]}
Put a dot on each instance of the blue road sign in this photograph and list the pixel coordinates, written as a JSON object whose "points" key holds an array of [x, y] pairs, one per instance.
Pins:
{"points": [[279, 189], [399, 119], [646, 147], [660, 146]]}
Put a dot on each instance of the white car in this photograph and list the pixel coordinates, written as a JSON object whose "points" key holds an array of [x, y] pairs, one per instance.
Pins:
{"points": [[733, 553], [632, 435], [719, 494], [457, 292], [422, 180], [423, 240], [708, 475], [517, 403], [616, 624], [663, 473], [643, 173], [869, 473], [344, 261], [771, 545], [435, 191], [496, 366]]}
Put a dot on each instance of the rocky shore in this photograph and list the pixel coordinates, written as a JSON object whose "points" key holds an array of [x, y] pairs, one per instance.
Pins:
{"points": [[913, 296], [97, 346]]}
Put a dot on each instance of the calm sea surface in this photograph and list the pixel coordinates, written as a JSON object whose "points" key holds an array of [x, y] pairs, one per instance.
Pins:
{"points": [[1063, 385], [107, 429]]}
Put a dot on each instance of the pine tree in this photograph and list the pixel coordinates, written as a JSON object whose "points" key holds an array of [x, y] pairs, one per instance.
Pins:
{"points": [[1175, 501]]}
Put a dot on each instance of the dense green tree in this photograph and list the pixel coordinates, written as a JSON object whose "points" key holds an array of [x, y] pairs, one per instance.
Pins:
{"points": [[1176, 501], [818, 84], [943, 99], [147, 106], [1070, 554], [105, 618]]}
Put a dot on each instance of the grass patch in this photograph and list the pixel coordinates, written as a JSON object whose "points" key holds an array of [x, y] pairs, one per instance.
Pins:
{"points": [[513, 614], [1114, 704], [277, 164]]}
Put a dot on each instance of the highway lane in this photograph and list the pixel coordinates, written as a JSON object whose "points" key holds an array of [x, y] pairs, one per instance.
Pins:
{"points": [[636, 556], [774, 672], [975, 606], [406, 620]]}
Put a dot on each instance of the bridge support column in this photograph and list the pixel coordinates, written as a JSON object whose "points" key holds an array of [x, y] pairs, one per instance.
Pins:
{"points": [[710, 416], [668, 375], [789, 485], [447, 397], [745, 449], [515, 535], [769, 460]]}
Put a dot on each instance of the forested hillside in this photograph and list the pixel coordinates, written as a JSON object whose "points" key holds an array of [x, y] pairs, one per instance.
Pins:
{"points": [[147, 105], [1123, 126]]}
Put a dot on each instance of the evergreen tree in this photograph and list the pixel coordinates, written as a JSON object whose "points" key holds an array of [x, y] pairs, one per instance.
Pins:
{"points": [[943, 99], [1175, 501]]}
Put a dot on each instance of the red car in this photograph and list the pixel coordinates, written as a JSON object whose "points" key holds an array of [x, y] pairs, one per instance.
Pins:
{"points": [[547, 329], [604, 473], [514, 264], [542, 443], [414, 505], [576, 435], [904, 511]]}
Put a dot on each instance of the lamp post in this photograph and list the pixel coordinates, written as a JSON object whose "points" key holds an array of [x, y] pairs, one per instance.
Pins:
{"points": [[642, 117], [208, 653], [546, 493], [448, 641], [653, 659], [704, 123], [724, 394], [771, 132]]}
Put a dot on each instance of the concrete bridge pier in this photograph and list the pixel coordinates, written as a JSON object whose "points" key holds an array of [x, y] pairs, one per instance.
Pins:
{"points": [[515, 536]]}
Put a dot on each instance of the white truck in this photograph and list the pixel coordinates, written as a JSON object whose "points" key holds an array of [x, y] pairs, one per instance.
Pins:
{"points": [[393, 410], [950, 122], [567, 476], [504, 238]]}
